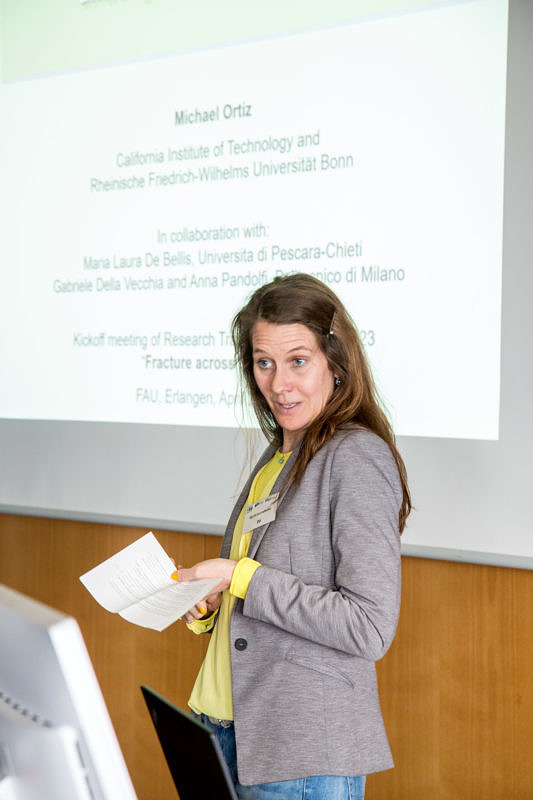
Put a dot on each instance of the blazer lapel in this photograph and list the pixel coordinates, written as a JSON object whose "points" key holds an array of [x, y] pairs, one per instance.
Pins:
{"points": [[258, 533], [228, 535]]}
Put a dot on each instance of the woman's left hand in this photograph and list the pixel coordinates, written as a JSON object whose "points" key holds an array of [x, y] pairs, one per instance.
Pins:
{"points": [[211, 568]]}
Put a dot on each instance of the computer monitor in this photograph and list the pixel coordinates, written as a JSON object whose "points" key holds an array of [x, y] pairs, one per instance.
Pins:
{"points": [[56, 738]]}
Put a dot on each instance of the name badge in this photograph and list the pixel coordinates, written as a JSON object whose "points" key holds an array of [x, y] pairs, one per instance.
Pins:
{"points": [[260, 513]]}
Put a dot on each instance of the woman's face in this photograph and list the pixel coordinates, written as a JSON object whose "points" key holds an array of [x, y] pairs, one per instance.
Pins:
{"points": [[292, 374]]}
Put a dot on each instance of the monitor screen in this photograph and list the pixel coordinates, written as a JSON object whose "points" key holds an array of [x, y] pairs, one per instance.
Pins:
{"points": [[56, 738]]}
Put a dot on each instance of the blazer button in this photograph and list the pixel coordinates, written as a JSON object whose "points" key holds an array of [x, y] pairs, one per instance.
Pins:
{"points": [[241, 644]]}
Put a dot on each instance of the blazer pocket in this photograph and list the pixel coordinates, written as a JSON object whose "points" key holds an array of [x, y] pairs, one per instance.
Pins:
{"points": [[319, 666]]}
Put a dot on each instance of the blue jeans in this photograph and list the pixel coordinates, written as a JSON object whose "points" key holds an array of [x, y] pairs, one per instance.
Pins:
{"points": [[318, 787]]}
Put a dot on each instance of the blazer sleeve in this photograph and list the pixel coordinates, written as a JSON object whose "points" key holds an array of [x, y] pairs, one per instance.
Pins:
{"points": [[357, 610]]}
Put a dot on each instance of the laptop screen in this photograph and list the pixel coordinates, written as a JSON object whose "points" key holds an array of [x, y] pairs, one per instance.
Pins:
{"points": [[192, 751]]}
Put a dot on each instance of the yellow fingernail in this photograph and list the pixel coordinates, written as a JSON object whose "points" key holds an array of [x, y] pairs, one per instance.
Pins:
{"points": [[175, 576], [202, 610]]}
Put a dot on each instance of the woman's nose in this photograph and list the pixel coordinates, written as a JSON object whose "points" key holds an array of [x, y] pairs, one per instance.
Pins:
{"points": [[281, 380]]}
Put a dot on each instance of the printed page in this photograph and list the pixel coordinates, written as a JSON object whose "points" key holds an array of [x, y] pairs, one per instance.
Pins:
{"points": [[162, 609], [135, 573]]}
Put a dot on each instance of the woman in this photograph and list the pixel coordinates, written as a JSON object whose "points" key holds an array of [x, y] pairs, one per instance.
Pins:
{"points": [[309, 588]]}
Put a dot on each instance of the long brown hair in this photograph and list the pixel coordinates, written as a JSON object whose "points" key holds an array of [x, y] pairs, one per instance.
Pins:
{"points": [[300, 298]]}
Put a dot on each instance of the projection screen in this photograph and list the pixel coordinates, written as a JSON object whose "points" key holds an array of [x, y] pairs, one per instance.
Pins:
{"points": [[151, 181]]}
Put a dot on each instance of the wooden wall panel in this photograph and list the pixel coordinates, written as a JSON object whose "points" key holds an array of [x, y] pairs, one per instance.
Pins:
{"points": [[456, 686]]}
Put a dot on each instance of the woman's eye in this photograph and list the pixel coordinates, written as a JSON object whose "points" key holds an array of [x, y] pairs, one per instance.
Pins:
{"points": [[263, 363], [299, 362]]}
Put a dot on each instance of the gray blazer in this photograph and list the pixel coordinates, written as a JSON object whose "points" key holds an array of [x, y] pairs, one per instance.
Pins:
{"points": [[321, 609]]}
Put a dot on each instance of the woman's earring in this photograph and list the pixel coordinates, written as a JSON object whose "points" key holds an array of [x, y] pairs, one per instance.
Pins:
{"points": [[337, 381]]}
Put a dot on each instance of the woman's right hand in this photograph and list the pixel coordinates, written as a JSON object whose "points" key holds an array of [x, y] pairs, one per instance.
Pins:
{"points": [[204, 608]]}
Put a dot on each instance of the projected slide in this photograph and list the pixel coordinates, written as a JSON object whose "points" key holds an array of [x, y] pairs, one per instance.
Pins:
{"points": [[143, 202]]}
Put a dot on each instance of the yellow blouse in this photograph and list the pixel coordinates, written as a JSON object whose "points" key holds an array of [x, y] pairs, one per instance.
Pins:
{"points": [[212, 692]]}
